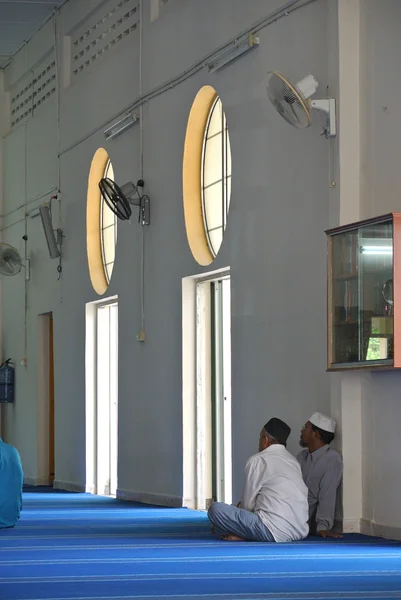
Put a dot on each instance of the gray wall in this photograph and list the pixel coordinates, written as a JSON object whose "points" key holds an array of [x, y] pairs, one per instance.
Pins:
{"points": [[274, 244], [380, 194]]}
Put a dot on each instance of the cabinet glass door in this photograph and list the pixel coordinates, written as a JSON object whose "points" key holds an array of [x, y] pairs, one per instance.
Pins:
{"points": [[361, 295]]}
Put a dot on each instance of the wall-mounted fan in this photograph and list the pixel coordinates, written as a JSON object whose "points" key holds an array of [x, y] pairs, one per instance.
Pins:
{"points": [[120, 199], [11, 261], [293, 103]]}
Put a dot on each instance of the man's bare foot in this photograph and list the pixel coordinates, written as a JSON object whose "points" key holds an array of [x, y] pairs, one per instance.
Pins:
{"points": [[232, 538], [330, 534]]}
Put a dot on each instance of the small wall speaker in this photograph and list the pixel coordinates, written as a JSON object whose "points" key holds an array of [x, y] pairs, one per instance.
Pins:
{"points": [[47, 224]]}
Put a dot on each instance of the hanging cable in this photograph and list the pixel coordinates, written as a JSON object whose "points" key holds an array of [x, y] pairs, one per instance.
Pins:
{"points": [[28, 202], [141, 164], [25, 237], [25, 251], [284, 11], [58, 196]]}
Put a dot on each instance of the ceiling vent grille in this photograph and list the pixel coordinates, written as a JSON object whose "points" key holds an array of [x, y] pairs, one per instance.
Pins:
{"points": [[32, 91], [109, 28]]}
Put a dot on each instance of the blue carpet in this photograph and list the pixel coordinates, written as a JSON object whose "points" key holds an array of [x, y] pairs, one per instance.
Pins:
{"points": [[77, 546]]}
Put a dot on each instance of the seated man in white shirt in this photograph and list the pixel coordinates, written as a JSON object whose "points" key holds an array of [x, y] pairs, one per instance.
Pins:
{"points": [[274, 504], [322, 469]]}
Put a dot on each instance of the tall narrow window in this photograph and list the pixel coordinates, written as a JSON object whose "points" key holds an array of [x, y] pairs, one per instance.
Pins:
{"points": [[108, 230], [216, 176]]}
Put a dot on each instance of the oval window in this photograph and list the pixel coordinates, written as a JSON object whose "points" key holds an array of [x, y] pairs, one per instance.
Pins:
{"points": [[216, 177], [206, 175], [101, 225]]}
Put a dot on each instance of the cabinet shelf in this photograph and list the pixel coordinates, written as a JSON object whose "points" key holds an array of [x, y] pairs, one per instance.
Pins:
{"points": [[345, 276], [364, 295]]}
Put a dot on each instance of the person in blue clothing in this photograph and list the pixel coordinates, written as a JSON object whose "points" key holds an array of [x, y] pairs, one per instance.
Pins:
{"points": [[11, 482]]}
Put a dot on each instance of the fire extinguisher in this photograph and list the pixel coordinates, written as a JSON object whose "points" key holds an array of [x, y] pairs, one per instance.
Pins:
{"points": [[7, 373]]}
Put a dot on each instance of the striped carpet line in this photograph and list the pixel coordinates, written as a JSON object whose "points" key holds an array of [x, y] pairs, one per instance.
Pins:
{"points": [[94, 517], [16, 537], [349, 595], [91, 533], [224, 555], [128, 561], [120, 525], [174, 576], [188, 559]]}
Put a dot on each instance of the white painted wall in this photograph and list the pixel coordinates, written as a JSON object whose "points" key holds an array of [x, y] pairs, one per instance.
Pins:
{"points": [[380, 55], [345, 162], [275, 243]]}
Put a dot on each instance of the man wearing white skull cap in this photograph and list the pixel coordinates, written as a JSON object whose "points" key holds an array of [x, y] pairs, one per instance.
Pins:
{"points": [[322, 469]]}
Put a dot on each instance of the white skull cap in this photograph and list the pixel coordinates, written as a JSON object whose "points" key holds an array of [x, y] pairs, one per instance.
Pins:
{"points": [[323, 422]]}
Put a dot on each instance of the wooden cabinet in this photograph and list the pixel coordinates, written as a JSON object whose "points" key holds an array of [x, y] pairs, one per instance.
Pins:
{"points": [[364, 294]]}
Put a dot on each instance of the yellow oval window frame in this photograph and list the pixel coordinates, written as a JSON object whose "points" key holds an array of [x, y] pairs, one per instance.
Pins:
{"points": [[93, 232], [191, 175]]}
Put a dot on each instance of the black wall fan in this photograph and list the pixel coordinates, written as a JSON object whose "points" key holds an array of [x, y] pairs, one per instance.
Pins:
{"points": [[120, 199]]}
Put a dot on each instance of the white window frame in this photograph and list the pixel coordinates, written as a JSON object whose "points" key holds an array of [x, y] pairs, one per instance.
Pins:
{"points": [[197, 393]]}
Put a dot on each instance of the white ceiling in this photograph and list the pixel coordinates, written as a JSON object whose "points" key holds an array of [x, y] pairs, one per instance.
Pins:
{"points": [[19, 19]]}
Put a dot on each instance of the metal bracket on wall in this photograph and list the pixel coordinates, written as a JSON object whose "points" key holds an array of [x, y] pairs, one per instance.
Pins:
{"points": [[27, 266]]}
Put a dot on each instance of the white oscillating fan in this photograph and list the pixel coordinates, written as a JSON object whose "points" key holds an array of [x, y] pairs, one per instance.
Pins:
{"points": [[11, 261], [293, 103]]}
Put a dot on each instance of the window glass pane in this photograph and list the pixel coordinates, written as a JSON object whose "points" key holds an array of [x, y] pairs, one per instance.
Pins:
{"points": [[108, 225], [213, 214], [376, 286], [109, 171], [345, 298], [228, 193], [108, 269], [108, 245], [215, 122], [108, 216], [213, 161], [228, 156], [215, 239]]}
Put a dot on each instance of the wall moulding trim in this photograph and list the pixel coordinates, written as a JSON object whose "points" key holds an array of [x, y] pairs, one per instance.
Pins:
{"points": [[351, 525], [35, 481], [150, 498], [189, 503], [69, 486], [369, 527]]}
